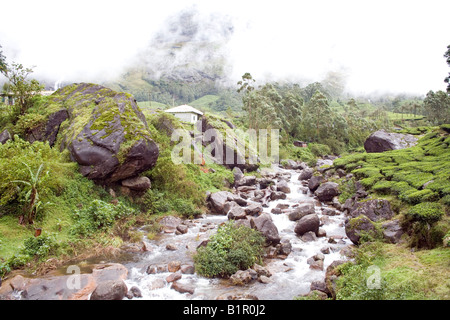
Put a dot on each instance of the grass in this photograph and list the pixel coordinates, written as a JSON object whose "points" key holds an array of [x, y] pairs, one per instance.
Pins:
{"points": [[203, 102], [405, 275]]}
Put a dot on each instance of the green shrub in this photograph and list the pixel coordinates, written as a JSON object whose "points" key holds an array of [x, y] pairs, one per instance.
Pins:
{"points": [[318, 149], [99, 215], [230, 249], [40, 246], [426, 212]]}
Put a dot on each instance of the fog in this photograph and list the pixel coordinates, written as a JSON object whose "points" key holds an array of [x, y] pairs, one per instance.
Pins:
{"points": [[383, 46]]}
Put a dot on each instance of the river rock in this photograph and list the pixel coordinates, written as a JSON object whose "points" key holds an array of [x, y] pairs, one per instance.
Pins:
{"points": [[327, 191], [309, 222], [375, 209], [254, 209], [174, 266], [218, 200], [381, 141], [238, 175], [282, 186], [157, 283], [265, 225], [247, 181], [170, 223], [110, 290], [187, 269], [361, 224], [134, 292], [284, 247], [182, 229], [182, 287], [309, 236], [173, 277], [276, 195], [243, 277], [314, 182], [301, 210], [236, 212], [306, 174]]}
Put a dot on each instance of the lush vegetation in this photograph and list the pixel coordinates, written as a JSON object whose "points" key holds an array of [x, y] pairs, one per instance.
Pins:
{"points": [[231, 249]]}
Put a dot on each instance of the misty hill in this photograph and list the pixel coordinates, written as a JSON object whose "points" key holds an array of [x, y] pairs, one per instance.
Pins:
{"points": [[184, 61]]}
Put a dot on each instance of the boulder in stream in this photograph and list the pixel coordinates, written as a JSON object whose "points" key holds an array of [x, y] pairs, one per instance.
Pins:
{"points": [[267, 227], [110, 290], [327, 191], [309, 222]]}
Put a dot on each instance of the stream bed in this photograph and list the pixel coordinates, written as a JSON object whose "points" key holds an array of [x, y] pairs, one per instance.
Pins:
{"points": [[291, 277]]}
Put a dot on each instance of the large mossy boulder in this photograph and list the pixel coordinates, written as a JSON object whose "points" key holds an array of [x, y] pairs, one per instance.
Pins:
{"points": [[381, 141], [227, 147], [105, 132]]}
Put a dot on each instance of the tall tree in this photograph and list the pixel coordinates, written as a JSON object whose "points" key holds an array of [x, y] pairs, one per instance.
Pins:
{"points": [[447, 80], [246, 86], [437, 106], [3, 65]]}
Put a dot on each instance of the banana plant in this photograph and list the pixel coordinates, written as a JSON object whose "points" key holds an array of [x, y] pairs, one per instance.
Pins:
{"points": [[32, 196]]}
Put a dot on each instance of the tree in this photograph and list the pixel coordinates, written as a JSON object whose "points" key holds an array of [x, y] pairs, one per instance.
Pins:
{"points": [[437, 106], [447, 80], [22, 89], [246, 86], [3, 65]]}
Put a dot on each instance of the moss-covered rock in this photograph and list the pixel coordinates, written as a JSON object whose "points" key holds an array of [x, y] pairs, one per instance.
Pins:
{"points": [[106, 132]]}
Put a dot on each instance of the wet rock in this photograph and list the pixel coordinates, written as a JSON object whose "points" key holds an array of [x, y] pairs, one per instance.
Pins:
{"points": [[276, 195], [320, 286], [182, 228], [158, 268], [187, 269], [309, 236], [174, 266], [134, 292], [170, 223], [284, 247], [329, 212], [157, 283], [314, 182], [253, 209], [306, 174], [301, 210], [110, 290], [325, 250], [321, 233], [236, 212], [182, 287], [264, 182], [265, 225], [327, 191], [261, 271], [171, 247], [276, 211], [243, 277], [283, 186], [218, 200], [309, 222], [173, 277], [246, 181]]}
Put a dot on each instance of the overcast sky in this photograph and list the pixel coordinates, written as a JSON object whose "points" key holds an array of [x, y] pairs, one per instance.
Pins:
{"points": [[380, 46]]}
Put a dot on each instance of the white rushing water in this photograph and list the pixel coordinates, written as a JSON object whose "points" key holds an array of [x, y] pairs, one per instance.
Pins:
{"points": [[291, 277]]}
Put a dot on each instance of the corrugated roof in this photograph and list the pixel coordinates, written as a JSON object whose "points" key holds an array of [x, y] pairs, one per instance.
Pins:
{"points": [[184, 108]]}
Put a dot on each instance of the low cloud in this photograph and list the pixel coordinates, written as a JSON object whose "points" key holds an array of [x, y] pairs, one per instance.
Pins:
{"points": [[394, 46]]}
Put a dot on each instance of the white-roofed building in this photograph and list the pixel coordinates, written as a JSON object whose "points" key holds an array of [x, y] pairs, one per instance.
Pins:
{"points": [[185, 113]]}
